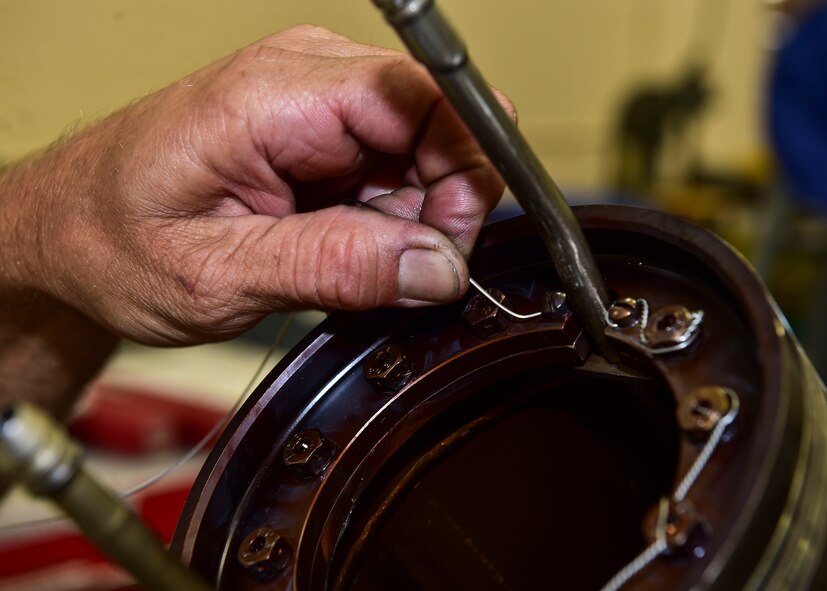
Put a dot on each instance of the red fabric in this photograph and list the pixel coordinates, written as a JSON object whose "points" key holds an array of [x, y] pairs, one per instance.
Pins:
{"points": [[122, 420], [136, 421], [160, 510]]}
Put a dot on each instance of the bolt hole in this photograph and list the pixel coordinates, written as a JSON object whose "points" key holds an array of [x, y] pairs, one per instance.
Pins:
{"points": [[704, 409], [702, 405], [257, 545], [667, 322]]}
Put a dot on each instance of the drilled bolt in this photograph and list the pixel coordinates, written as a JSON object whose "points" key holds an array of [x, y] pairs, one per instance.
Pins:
{"points": [[484, 318], [702, 409], [555, 303], [673, 328], [624, 313], [264, 553], [387, 369], [687, 532], [307, 454]]}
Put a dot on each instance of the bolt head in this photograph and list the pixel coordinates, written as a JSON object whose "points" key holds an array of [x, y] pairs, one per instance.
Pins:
{"points": [[264, 553], [387, 369], [555, 303], [307, 453], [672, 326], [702, 409], [625, 313], [484, 318], [687, 531]]}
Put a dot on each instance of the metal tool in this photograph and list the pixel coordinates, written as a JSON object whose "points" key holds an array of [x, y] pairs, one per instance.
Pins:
{"points": [[432, 41], [36, 452]]}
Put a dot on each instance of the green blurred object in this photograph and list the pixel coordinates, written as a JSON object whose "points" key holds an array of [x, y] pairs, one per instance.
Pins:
{"points": [[36, 452]]}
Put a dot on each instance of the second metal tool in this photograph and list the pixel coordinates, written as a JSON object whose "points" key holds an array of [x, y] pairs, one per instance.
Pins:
{"points": [[431, 40]]}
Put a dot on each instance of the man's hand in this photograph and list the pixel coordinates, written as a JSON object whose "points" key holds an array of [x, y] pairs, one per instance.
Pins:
{"points": [[193, 213]]}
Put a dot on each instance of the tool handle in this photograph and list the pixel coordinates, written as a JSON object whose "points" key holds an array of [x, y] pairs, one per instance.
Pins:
{"points": [[432, 41]]}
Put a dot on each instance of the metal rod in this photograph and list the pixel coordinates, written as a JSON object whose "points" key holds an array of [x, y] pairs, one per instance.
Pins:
{"points": [[36, 452], [431, 40]]}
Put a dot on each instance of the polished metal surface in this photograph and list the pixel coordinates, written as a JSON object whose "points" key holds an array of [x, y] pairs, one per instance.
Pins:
{"points": [[517, 447]]}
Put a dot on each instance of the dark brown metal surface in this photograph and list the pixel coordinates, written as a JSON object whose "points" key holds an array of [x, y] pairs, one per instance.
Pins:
{"points": [[518, 458]]}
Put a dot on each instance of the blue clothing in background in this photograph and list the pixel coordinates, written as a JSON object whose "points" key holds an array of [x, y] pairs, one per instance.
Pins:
{"points": [[798, 110]]}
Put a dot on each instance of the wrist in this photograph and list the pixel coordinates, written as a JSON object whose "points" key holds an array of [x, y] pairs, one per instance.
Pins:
{"points": [[48, 349], [47, 229], [18, 231], [48, 353]]}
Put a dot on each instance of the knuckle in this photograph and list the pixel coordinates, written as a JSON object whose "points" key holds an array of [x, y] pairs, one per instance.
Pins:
{"points": [[341, 267], [207, 292], [305, 30]]}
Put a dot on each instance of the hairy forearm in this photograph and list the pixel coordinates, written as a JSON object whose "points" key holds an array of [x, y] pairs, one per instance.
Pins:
{"points": [[48, 350], [48, 353]]}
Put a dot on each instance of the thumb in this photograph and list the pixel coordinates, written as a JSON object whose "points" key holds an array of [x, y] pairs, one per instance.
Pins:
{"points": [[347, 258]]}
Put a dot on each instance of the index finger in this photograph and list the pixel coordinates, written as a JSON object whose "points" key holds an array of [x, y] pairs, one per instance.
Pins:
{"points": [[409, 114]]}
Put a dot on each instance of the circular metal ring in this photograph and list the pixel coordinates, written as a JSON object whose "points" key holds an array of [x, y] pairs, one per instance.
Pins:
{"points": [[516, 457]]}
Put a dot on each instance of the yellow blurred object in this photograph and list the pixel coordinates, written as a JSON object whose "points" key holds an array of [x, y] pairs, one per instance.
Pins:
{"points": [[564, 64]]}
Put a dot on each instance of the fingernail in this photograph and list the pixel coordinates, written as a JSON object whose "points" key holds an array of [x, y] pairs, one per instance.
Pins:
{"points": [[427, 276]]}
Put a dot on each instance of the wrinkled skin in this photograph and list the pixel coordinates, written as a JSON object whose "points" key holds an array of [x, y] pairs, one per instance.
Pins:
{"points": [[196, 211], [190, 215]]}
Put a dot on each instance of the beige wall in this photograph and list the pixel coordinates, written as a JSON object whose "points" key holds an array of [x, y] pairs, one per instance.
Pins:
{"points": [[66, 62]]}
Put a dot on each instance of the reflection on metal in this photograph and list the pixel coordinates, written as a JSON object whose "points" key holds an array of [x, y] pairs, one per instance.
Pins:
{"points": [[388, 369], [687, 531], [672, 329], [488, 313], [408, 494], [34, 451], [625, 313], [308, 453], [702, 410], [555, 302], [264, 553]]}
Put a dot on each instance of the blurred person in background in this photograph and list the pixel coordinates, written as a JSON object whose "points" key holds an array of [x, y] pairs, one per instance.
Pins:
{"points": [[795, 255]]}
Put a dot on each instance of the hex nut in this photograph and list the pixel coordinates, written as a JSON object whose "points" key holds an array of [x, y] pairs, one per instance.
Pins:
{"points": [[307, 454], [555, 303], [264, 553], [484, 318], [387, 369], [687, 531], [700, 411], [672, 327], [625, 313]]}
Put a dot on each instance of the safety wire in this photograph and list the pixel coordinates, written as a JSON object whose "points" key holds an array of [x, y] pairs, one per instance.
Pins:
{"points": [[659, 545], [648, 555], [618, 580], [266, 362], [494, 301], [198, 447], [220, 425]]}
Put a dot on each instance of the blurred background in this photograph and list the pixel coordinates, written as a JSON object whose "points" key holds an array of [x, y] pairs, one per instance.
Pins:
{"points": [[667, 104], [712, 109], [569, 67]]}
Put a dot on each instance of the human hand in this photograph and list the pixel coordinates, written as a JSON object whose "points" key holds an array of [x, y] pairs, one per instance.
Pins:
{"points": [[193, 213]]}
